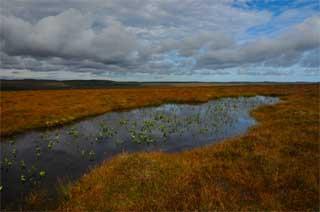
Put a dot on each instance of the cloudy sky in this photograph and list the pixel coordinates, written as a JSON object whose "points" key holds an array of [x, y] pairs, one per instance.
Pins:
{"points": [[161, 40]]}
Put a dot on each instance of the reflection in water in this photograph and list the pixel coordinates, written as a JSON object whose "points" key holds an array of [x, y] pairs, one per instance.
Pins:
{"points": [[38, 159]]}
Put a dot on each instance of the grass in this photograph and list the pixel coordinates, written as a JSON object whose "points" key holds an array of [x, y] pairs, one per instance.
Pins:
{"points": [[275, 166], [25, 110]]}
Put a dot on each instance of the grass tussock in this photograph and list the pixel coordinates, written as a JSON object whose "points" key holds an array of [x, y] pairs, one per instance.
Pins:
{"points": [[275, 166]]}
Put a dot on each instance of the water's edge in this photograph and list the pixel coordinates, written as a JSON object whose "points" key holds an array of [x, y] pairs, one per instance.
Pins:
{"points": [[4, 137]]}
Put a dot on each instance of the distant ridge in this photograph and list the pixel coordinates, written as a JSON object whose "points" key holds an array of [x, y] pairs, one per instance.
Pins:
{"points": [[35, 84]]}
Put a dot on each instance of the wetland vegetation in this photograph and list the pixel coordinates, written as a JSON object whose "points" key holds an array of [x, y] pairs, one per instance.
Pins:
{"points": [[67, 152], [273, 166]]}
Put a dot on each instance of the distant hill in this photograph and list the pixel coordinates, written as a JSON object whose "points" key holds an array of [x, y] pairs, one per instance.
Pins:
{"points": [[33, 84]]}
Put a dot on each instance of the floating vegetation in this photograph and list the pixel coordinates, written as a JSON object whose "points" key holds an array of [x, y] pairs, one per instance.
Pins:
{"points": [[50, 144], [22, 164], [23, 178], [123, 122], [92, 155], [14, 152], [42, 173], [38, 152], [73, 132], [12, 142], [7, 162]]}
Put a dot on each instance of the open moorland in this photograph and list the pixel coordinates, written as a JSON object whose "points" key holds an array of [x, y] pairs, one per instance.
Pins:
{"points": [[273, 166], [23, 110]]}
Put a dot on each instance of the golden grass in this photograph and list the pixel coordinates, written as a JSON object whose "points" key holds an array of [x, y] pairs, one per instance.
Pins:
{"points": [[275, 166], [24, 110]]}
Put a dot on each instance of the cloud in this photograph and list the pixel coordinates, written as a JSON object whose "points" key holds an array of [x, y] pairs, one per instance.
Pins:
{"points": [[68, 35], [311, 59], [193, 44], [283, 50], [165, 37]]}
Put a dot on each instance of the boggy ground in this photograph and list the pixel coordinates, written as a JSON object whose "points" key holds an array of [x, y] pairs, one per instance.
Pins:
{"points": [[25, 110], [275, 166]]}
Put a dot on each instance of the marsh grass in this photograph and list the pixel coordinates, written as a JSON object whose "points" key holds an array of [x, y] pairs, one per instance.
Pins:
{"points": [[24, 110], [272, 167]]}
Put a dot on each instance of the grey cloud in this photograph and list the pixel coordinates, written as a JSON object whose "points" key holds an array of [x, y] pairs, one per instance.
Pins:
{"points": [[100, 30], [191, 45], [311, 59], [54, 64], [284, 50], [68, 35], [143, 13], [149, 37], [263, 71]]}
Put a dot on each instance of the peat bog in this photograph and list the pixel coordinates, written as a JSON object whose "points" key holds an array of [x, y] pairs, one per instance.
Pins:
{"points": [[38, 159], [273, 166]]}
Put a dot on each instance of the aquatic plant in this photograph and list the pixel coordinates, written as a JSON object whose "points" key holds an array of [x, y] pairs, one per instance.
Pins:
{"points": [[92, 155], [7, 162], [204, 130], [73, 132], [159, 116], [134, 123], [99, 137], [123, 122], [38, 151], [50, 145], [38, 154], [12, 142], [22, 164], [57, 138], [107, 131], [134, 137], [14, 152], [42, 173], [148, 125], [23, 178]]}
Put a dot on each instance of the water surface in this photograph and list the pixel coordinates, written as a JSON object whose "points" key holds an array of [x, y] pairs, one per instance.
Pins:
{"points": [[38, 159]]}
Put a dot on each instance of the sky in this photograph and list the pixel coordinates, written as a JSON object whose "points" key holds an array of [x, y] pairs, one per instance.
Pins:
{"points": [[160, 40]]}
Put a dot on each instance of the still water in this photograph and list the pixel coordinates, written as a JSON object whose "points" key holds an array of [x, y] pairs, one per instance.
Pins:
{"points": [[39, 159]]}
